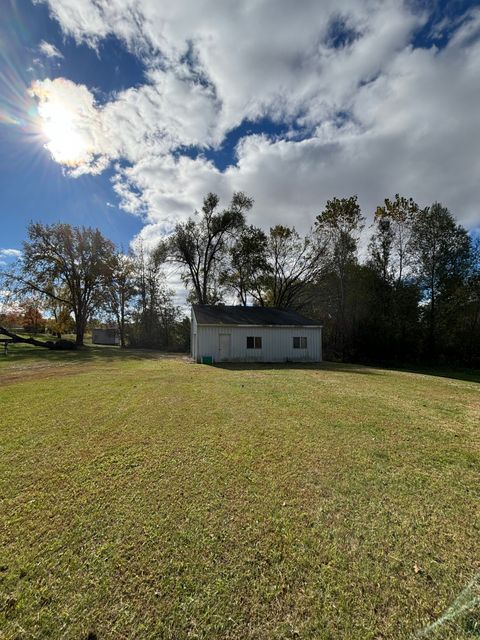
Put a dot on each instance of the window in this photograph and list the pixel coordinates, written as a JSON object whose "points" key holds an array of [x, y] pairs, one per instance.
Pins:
{"points": [[254, 342], [300, 342]]}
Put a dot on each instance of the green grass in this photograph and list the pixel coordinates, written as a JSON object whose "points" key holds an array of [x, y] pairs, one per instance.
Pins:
{"points": [[147, 497]]}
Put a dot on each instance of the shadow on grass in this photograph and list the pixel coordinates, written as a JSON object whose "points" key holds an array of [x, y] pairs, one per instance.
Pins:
{"points": [[22, 354], [27, 354], [305, 366], [467, 375]]}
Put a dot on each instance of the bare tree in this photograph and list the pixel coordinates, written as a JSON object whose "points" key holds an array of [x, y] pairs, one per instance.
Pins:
{"points": [[248, 266], [294, 263], [200, 245], [120, 288], [154, 315]]}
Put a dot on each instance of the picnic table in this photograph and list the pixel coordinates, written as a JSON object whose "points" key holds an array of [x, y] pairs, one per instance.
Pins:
{"points": [[5, 342]]}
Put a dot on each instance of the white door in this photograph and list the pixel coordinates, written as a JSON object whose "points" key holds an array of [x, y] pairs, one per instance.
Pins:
{"points": [[225, 346]]}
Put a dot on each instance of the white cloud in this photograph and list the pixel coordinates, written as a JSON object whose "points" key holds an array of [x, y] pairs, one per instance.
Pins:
{"points": [[262, 58], [378, 116], [411, 132], [173, 110], [10, 253], [49, 50]]}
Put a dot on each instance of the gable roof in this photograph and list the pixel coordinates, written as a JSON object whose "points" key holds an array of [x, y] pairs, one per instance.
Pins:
{"points": [[223, 314]]}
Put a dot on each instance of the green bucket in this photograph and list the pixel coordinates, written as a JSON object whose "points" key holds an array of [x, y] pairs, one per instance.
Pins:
{"points": [[207, 360]]}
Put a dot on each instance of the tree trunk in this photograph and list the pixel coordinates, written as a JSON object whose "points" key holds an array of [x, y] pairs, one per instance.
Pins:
{"points": [[59, 345], [80, 325], [121, 330], [432, 328]]}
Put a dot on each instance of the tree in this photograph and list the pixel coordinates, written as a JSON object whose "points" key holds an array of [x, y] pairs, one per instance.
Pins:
{"points": [[380, 249], [470, 338], [392, 294], [61, 345], [339, 226], [32, 318], [61, 320], [10, 318], [67, 264], [154, 316], [293, 264], [459, 315], [248, 265], [395, 220], [200, 245], [441, 252], [120, 289]]}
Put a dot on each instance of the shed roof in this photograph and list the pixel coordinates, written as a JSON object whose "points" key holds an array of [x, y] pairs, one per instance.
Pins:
{"points": [[223, 314]]}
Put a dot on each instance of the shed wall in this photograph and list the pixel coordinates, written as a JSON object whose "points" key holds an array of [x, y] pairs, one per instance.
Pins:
{"points": [[105, 336], [193, 337], [277, 343]]}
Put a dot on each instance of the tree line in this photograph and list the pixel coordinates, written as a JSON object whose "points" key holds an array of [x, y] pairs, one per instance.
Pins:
{"points": [[78, 279], [412, 294]]}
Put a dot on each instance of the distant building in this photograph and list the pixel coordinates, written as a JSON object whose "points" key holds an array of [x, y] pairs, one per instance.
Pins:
{"points": [[105, 336], [223, 333]]}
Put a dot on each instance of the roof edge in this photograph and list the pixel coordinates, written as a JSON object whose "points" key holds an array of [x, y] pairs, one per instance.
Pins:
{"points": [[245, 326]]}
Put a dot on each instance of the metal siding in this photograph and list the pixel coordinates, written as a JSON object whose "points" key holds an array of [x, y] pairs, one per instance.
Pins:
{"points": [[105, 336], [193, 337], [277, 343]]}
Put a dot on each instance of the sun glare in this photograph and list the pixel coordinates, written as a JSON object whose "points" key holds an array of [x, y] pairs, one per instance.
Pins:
{"points": [[64, 142], [59, 125]]}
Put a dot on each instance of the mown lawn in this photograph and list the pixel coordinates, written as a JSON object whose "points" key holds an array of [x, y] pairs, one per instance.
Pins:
{"points": [[147, 497]]}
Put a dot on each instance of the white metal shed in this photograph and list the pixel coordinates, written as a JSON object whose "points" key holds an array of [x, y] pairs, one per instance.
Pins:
{"points": [[253, 334]]}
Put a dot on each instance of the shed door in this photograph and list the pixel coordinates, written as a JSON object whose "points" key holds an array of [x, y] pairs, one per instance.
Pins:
{"points": [[225, 346]]}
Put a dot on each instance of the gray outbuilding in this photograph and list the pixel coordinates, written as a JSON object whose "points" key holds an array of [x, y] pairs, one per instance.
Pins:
{"points": [[223, 333], [105, 336]]}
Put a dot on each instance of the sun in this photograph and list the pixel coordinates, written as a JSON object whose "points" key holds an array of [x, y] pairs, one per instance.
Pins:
{"points": [[64, 141], [60, 125]]}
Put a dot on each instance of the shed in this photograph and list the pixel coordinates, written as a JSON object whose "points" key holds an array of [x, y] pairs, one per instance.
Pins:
{"points": [[105, 336], [253, 334]]}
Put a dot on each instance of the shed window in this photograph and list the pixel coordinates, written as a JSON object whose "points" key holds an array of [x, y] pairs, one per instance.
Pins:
{"points": [[254, 342], [300, 342]]}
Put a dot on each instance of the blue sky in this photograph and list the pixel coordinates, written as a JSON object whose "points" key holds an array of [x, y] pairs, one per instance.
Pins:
{"points": [[122, 115], [34, 187]]}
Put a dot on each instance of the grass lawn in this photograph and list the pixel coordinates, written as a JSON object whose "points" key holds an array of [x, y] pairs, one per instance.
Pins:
{"points": [[147, 497]]}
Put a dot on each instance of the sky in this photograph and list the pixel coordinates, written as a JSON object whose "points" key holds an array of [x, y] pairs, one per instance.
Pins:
{"points": [[123, 114]]}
